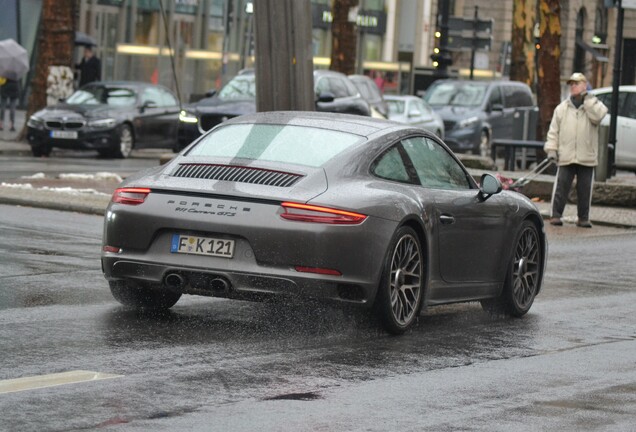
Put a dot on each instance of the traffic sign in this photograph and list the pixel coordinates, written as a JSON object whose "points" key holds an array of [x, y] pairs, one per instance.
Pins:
{"points": [[460, 26], [465, 43]]}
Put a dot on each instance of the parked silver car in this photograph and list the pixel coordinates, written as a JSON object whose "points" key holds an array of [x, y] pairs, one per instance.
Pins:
{"points": [[413, 111]]}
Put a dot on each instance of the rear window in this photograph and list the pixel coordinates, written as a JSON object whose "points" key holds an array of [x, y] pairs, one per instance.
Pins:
{"points": [[275, 143]]}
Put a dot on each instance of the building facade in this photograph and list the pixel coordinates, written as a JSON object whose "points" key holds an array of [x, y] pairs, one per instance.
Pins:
{"points": [[200, 44]]}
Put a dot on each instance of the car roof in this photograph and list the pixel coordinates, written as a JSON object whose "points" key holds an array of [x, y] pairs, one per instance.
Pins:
{"points": [[484, 82], [625, 88], [358, 125], [401, 97]]}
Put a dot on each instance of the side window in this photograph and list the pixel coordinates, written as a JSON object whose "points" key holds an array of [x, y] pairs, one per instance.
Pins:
{"points": [[495, 97], [523, 98], [606, 98], [390, 166], [322, 86], [622, 105], [151, 94], [630, 106], [434, 166], [167, 99], [338, 88], [516, 96], [351, 89]]}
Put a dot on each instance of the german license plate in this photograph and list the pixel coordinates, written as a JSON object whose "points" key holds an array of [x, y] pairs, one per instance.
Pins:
{"points": [[64, 134], [202, 246]]}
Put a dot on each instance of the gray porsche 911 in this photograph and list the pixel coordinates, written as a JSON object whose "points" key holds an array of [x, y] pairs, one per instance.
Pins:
{"points": [[323, 206]]}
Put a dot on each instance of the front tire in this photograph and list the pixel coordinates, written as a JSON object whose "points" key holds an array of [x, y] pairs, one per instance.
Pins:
{"points": [[126, 142], [41, 150], [401, 289], [523, 278], [138, 296]]}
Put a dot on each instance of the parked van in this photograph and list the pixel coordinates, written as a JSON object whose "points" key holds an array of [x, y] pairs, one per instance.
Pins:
{"points": [[476, 112]]}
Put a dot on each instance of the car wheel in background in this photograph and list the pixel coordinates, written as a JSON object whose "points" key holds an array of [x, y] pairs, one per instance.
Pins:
{"points": [[126, 142], [135, 295], [523, 276], [484, 144], [400, 292]]}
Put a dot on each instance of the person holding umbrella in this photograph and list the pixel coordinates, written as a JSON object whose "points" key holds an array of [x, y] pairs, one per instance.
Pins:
{"points": [[90, 67], [9, 94]]}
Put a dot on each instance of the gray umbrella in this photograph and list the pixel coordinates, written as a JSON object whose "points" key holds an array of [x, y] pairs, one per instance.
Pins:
{"points": [[14, 60]]}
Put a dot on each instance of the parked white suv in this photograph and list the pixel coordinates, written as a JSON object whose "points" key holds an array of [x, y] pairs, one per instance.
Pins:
{"points": [[625, 157]]}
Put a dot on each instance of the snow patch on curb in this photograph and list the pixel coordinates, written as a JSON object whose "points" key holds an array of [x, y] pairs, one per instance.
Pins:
{"points": [[63, 190]]}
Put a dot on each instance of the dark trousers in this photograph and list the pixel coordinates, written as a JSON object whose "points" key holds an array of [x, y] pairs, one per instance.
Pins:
{"points": [[584, 181], [11, 104]]}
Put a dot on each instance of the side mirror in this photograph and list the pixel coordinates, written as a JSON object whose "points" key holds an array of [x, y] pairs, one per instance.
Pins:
{"points": [[326, 97], [497, 107], [210, 93], [148, 104], [414, 113], [489, 185]]}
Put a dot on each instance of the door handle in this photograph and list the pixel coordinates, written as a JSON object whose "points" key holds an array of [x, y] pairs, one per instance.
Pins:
{"points": [[446, 219]]}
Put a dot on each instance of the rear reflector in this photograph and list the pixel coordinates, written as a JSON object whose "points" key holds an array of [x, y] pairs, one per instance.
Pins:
{"points": [[318, 270], [130, 196], [112, 249], [317, 214]]}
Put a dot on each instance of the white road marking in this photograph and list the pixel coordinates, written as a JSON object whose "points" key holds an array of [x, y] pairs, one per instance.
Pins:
{"points": [[51, 380]]}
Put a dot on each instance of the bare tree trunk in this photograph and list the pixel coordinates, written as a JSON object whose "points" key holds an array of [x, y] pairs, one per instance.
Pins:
{"points": [[549, 88], [344, 37], [522, 65], [54, 47]]}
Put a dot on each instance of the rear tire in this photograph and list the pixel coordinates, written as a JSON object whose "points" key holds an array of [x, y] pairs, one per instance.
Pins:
{"points": [[523, 277], [133, 294], [401, 288]]}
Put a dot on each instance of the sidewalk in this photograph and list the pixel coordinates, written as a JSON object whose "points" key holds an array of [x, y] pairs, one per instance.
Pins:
{"points": [[93, 196]]}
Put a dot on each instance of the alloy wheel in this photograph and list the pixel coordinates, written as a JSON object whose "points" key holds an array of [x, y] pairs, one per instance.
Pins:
{"points": [[406, 279], [125, 142], [526, 267]]}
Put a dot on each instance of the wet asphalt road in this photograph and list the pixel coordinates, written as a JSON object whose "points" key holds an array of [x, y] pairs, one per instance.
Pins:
{"points": [[212, 364]]}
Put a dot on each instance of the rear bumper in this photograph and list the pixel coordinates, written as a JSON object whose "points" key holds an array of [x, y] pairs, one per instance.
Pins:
{"points": [[243, 285]]}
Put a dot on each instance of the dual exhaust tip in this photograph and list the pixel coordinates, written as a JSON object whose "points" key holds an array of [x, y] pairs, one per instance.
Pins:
{"points": [[177, 282]]}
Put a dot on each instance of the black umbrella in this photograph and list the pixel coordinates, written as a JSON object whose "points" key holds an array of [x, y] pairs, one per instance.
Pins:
{"points": [[82, 38]]}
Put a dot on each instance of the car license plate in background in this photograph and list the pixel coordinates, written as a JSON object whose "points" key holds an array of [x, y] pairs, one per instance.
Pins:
{"points": [[64, 134], [202, 246]]}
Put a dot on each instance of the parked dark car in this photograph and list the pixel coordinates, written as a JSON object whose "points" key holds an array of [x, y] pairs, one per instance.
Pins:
{"points": [[476, 112], [334, 93], [371, 93], [348, 209], [111, 117]]}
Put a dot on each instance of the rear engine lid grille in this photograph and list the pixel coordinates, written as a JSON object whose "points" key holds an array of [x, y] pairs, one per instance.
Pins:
{"points": [[239, 174]]}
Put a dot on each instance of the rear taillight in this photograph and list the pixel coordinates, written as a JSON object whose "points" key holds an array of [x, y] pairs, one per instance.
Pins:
{"points": [[130, 196], [317, 214], [318, 270]]}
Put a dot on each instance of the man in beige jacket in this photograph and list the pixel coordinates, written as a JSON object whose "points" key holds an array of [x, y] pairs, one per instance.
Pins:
{"points": [[573, 142]]}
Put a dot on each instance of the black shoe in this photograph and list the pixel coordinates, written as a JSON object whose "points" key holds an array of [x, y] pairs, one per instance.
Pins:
{"points": [[584, 224], [12, 129], [556, 221]]}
